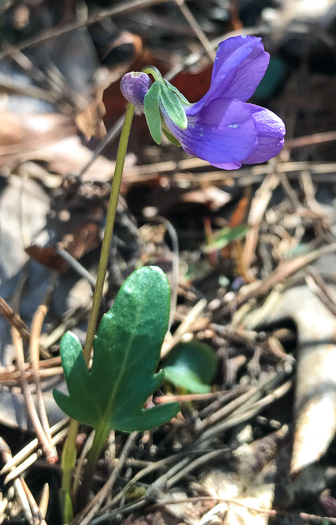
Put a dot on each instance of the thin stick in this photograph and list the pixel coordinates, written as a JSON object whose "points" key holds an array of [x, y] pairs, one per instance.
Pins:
{"points": [[111, 135], [120, 9], [33, 505], [321, 289], [29, 449], [150, 469], [184, 327], [34, 346], [17, 341], [33, 457], [80, 464], [197, 29], [14, 319], [85, 516], [7, 456], [44, 500], [282, 272], [10, 377], [175, 264], [77, 266]]}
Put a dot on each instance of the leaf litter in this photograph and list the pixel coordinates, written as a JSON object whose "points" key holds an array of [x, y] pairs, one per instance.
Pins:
{"points": [[261, 301]]}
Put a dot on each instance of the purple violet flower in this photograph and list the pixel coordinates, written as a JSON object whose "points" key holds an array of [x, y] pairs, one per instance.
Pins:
{"points": [[222, 128]]}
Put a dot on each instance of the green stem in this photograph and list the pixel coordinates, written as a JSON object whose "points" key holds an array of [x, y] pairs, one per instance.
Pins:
{"points": [[92, 460], [111, 214], [69, 452]]}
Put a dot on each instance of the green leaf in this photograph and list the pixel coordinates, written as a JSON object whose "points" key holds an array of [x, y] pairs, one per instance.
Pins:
{"points": [[152, 110], [225, 236], [192, 366], [126, 355], [174, 107]]}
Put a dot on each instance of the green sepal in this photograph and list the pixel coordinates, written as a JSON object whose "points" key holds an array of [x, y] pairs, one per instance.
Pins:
{"points": [[126, 355], [170, 137], [173, 106], [178, 93], [152, 110]]}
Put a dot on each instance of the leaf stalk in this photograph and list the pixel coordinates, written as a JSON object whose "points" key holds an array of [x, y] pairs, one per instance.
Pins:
{"points": [[92, 460]]}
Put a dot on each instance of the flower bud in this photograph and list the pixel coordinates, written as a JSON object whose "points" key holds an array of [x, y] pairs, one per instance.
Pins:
{"points": [[134, 87]]}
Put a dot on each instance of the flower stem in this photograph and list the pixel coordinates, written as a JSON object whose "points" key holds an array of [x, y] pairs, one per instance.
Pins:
{"points": [[69, 451], [111, 214], [152, 70]]}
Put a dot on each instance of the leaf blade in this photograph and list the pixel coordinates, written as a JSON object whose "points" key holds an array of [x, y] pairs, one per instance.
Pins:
{"points": [[126, 355], [191, 365], [77, 378]]}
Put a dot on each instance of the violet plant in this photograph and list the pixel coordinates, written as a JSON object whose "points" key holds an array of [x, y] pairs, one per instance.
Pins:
{"points": [[223, 129]]}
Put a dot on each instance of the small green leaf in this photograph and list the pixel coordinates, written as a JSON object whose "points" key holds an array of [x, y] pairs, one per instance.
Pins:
{"points": [[191, 365], [225, 236], [126, 355], [174, 107], [152, 110], [178, 93]]}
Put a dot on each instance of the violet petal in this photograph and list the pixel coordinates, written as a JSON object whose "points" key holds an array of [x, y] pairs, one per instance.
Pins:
{"points": [[239, 66], [270, 131], [223, 131]]}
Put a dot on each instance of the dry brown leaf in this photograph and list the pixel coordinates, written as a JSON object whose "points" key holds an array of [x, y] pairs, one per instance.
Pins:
{"points": [[81, 241], [21, 135]]}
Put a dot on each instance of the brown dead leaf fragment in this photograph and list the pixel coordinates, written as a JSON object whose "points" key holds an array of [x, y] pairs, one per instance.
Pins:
{"points": [[81, 241], [47, 256], [90, 121]]}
